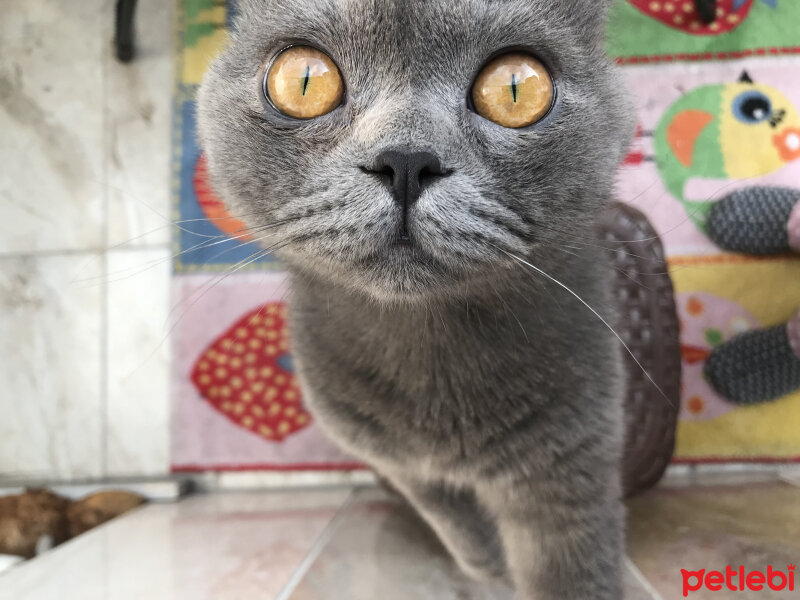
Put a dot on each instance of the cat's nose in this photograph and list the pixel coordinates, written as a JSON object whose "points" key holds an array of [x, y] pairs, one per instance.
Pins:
{"points": [[409, 173]]}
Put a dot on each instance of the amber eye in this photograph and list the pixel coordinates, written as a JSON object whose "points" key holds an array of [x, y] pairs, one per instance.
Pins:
{"points": [[513, 90], [304, 83]]}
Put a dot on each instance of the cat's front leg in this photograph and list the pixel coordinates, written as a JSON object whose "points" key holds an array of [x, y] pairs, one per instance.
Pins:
{"points": [[563, 539], [460, 522]]}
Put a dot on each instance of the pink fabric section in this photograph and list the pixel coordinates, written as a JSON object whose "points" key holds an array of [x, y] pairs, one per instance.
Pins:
{"points": [[793, 228], [794, 333], [202, 438]]}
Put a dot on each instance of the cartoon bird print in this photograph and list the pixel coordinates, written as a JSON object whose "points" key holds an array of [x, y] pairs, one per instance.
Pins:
{"points": [[733, 131]]}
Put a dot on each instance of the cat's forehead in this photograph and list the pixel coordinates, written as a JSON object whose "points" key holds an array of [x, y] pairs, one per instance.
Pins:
{"points": [[385, 26]]}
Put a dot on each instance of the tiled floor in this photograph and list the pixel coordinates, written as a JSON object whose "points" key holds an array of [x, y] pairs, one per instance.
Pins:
{"points": [[365, 545], [710, 527], [84, 213]]}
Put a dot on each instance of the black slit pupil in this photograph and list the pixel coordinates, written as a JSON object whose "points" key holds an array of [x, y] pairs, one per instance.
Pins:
{"points": [[306, 79]]}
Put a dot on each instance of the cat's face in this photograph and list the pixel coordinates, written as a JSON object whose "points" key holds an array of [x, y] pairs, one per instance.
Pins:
{"points": [[407, 69]]}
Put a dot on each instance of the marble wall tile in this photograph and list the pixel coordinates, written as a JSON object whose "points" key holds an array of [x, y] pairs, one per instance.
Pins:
{"points": [[138, 107], [85, 163], [137, 349], [51, 412], [51, 118]]}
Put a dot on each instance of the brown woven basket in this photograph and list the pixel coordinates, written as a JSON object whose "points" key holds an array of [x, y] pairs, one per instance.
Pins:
{"points": [[648, 322]]}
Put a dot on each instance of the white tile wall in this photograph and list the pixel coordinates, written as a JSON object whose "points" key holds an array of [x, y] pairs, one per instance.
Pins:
{"points": [[137, 362], [51, 94], [51, 370], [84, 176], [139, 110]]}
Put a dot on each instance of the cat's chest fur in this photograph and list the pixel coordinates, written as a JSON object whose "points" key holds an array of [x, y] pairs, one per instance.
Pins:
{"points": [[445, 385]]}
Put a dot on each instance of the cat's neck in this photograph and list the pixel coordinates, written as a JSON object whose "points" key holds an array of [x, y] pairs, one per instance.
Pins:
{"points": [[517, 308]]}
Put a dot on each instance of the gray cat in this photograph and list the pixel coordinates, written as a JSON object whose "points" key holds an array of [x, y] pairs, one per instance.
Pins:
{"points": [[418, 221]]}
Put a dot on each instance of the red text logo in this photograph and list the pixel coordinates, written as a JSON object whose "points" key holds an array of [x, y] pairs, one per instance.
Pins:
{"points": [[738, 580]]}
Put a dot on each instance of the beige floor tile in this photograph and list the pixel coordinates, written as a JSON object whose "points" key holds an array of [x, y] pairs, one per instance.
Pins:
{"points": [[380, 549], [215, 547], [711, 527]]}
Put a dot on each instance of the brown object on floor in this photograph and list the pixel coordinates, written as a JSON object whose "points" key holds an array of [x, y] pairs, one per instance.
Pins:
{"points": [[648, 322], [96, 509], [27, 518]]}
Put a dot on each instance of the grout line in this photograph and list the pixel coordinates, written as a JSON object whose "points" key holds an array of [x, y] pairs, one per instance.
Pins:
{"points": [[104, 365], [316, 549], [80, 251], [643, 581], [105, 51]]}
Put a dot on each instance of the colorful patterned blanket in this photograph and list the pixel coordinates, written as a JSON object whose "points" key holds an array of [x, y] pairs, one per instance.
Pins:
{"points": [[236, 402]]}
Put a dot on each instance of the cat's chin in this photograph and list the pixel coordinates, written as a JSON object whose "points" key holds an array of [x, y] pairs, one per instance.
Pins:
{"points": [[423, 289], [403, 273], [406, 275]]}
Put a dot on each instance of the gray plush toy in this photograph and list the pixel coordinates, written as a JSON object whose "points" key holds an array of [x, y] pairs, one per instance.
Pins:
{"points": [[760, 365]]}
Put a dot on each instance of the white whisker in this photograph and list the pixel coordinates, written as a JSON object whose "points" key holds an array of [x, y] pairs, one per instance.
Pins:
{"points": [[594, 312]]}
